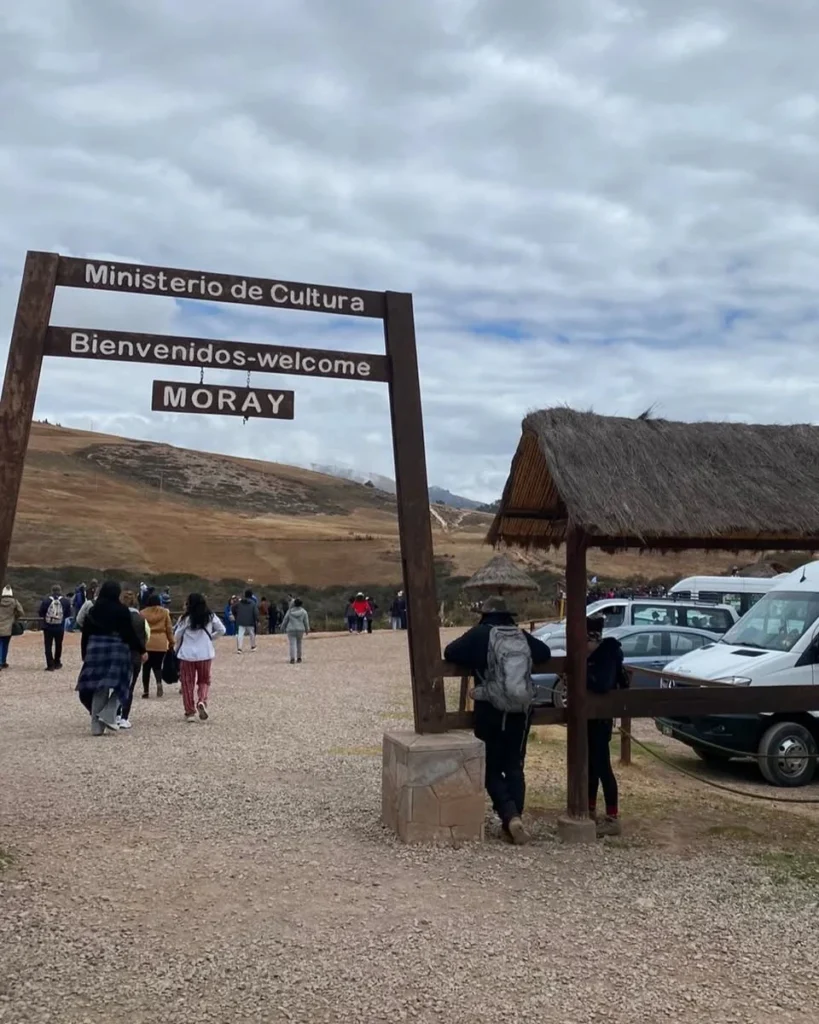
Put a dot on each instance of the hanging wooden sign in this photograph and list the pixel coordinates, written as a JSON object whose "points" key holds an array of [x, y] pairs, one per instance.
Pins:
{"points": [[222, 400], [32, 338]]}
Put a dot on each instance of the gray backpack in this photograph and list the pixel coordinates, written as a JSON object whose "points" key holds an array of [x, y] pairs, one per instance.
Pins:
{"points": [[508, 685]]}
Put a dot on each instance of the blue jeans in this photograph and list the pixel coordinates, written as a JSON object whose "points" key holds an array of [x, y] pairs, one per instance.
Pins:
{"points": [[4, 649]]}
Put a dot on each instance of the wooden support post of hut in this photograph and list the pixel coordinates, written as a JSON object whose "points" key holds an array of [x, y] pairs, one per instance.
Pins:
{"points": [[583, 480]]}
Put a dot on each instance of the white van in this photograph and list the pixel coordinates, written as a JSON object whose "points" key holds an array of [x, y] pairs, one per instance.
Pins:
{"points": [[775, 643], [741, 592]]}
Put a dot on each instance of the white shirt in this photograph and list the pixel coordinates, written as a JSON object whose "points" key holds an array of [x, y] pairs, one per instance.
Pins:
{"points": [[197, 644]]}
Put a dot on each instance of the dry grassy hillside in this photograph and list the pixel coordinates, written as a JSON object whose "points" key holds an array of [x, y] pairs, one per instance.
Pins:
{"points": [[85, 497]]}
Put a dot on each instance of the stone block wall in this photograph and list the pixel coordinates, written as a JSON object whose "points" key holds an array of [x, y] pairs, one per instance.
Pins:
{"points": [[432, 786]]}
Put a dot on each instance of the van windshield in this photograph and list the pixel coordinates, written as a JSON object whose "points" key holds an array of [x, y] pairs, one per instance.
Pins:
{"points": [[776, 622]]}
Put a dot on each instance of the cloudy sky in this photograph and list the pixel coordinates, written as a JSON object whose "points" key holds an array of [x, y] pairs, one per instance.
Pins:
{"points": [[609, 205]]}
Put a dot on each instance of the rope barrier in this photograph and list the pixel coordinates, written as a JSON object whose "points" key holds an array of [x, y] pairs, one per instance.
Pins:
{"points": [[719, 785]]}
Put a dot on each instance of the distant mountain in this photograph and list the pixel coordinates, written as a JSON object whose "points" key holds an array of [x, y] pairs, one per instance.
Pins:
{"points": [[445, 497], [383, 483], [492, 506]]}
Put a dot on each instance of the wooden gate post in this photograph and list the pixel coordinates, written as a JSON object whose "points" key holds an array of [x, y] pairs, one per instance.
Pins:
{"points": [[414, 528], [576, 826], [20, 385]]}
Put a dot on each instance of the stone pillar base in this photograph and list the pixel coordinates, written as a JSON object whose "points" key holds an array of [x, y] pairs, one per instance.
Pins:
{"points": [[576, 830], [432, 786]]}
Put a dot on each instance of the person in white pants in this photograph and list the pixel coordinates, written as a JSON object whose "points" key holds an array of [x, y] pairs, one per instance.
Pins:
{"points": [[246, 614]]}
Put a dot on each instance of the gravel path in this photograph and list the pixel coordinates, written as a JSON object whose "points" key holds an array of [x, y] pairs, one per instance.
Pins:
{"points": [[236, 870]]}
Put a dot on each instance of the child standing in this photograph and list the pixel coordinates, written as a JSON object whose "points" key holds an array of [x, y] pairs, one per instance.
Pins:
{"points": [[194, 636]]}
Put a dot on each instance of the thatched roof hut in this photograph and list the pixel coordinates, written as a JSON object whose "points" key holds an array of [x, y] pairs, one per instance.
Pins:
{"points": [[652, 484], [500, 575], [762, 569]]}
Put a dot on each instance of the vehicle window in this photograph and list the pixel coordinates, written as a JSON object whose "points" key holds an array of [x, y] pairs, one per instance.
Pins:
{"points": [[682, 643], [715, 620], [658, 615], [776, 622], [642, 645], [614, 615]]}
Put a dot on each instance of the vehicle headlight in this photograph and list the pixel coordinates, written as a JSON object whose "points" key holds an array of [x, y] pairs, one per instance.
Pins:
{"points": [[735, 680]]}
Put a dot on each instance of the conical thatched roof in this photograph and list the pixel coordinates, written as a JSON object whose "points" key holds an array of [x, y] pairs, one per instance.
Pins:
{"points": [[644, 483], [500, 575], [763, 569]]}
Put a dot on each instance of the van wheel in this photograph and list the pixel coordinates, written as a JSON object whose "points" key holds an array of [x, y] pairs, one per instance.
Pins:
{"points": [[787, 755], [560, 693], [711, 757]]}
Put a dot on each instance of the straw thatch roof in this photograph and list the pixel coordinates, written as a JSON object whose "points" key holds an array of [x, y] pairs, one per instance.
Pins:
{"points": [[762, 569], [643, 483], [500, 575]]}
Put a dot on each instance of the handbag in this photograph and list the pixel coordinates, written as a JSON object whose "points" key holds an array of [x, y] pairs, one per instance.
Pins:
{"points": [[17, 628], [170, 667]]}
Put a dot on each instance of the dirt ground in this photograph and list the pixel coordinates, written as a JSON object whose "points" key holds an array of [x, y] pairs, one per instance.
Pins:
{"points": [[236, 870]]}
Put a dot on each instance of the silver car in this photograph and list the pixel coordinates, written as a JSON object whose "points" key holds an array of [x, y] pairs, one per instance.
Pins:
{"points": [[643, 646]]}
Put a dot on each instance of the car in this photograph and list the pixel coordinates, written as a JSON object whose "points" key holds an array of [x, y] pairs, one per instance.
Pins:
{"points": [[651, 647], [651, 611]]}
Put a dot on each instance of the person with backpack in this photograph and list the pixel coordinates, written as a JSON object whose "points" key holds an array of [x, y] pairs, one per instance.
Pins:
{"points": [[296, 625], [246, 614], [11, 611], [194, 635], [604, 673], [500, 656], [54, 611]]}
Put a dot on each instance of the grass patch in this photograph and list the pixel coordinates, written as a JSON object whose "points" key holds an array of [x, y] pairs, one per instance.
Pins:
{"points": [[356, 751], [798, 866]]}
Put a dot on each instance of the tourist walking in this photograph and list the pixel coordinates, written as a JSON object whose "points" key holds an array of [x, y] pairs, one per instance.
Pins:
{"points": [[130, 600], [297, 625], [108, 641], [246, 614], [500, 656], [264, 615], [11, 611], [604, 673], [398, 611], [54, 611], [194, 635], [350, 615], [369, 615], [160, 640], [360, 608]]}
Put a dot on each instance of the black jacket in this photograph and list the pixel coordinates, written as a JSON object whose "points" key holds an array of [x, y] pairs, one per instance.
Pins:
{"points": [[604, 667], [471, 651], [44, 606], [110, 618]]}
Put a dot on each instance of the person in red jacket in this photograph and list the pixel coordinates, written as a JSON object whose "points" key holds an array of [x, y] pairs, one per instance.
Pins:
{"points": [[361, 607]]}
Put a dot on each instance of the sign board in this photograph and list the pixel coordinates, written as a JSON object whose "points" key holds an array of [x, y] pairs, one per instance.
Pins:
{"points": [[33, 337], [197, 284], [221, 400], [123, 346]]}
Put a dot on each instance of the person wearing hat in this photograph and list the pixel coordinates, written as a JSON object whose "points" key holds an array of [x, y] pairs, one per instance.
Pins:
{"points": [[398, 611], [504, 732], [11, 611], [360, 608]]}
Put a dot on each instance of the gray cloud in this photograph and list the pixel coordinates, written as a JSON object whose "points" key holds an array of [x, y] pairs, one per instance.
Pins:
{"points": [[623, 193]]}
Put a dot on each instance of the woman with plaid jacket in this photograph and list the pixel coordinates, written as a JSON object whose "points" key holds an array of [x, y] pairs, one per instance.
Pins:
{"points": [[108, 638]]}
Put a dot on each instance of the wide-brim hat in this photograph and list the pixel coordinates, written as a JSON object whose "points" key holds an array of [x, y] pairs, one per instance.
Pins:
{"points": [[494, 604]]}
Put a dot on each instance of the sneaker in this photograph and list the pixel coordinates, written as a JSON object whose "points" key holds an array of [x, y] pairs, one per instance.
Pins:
{"points": [[298, 660], [58, 664], [292, 661], [123, 723], [203, 711], [49, 668], [238, 651], [190, 718], [520, 837], [609, 827], [145, 695], [159, 689]]}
